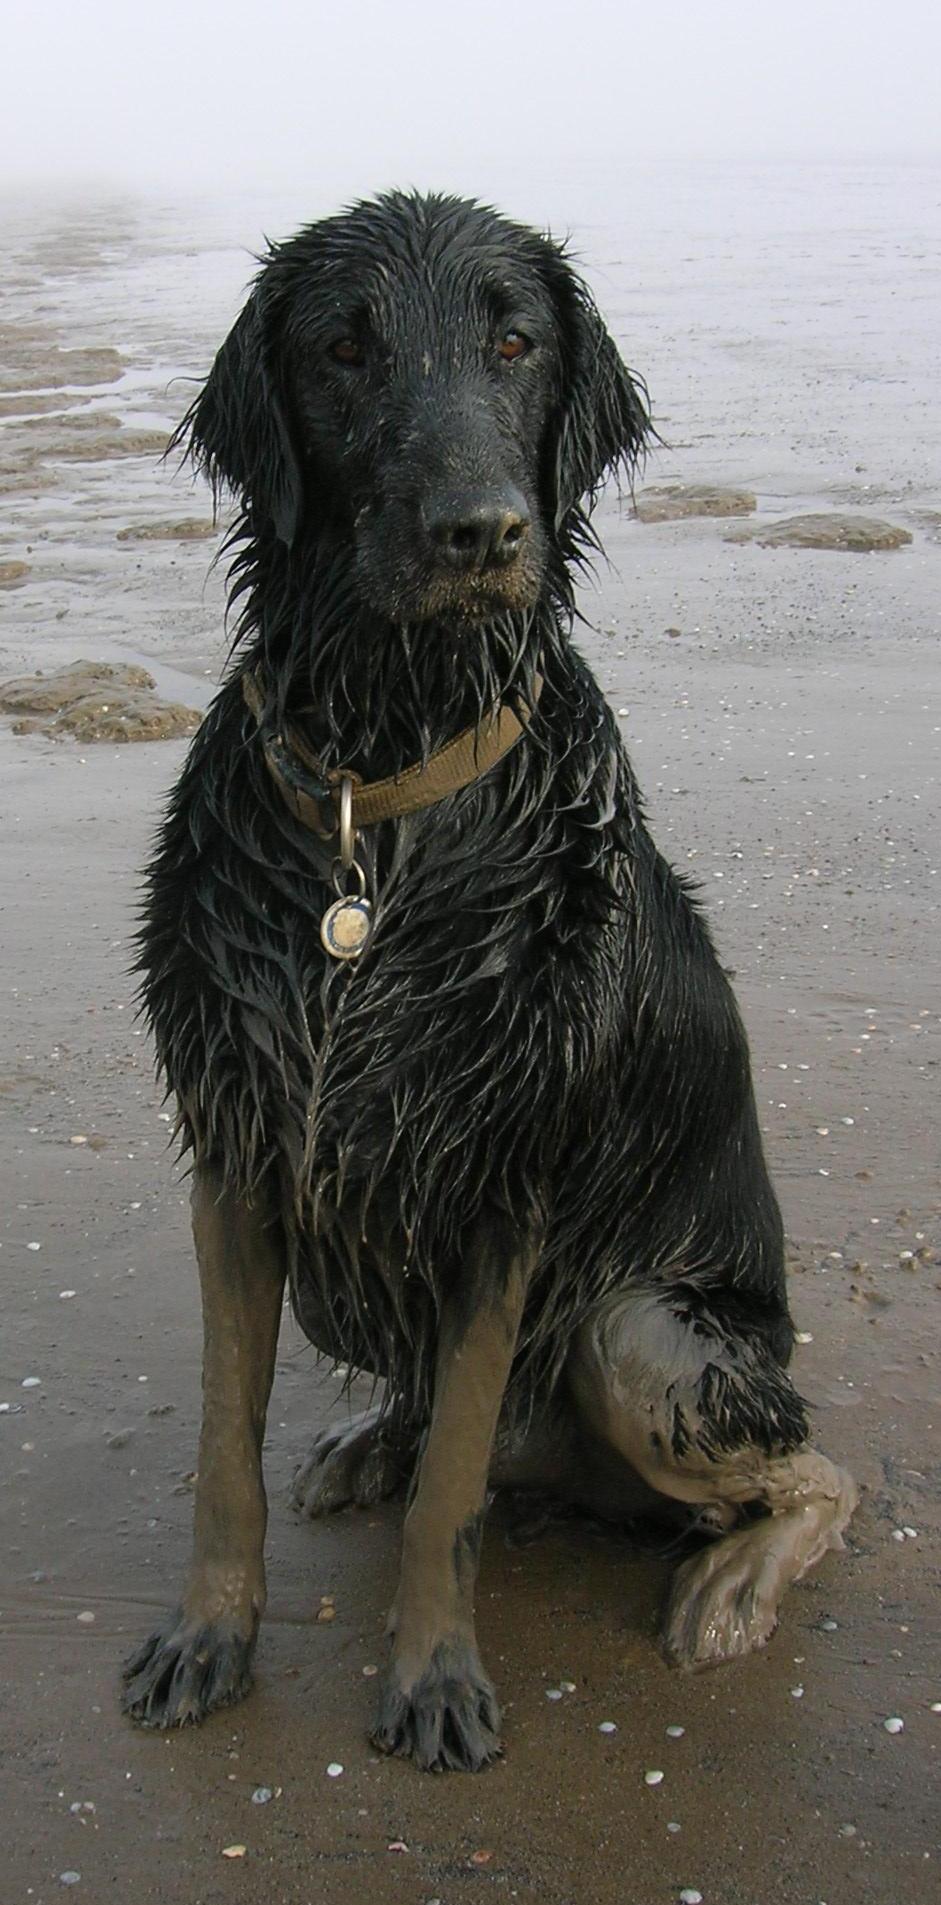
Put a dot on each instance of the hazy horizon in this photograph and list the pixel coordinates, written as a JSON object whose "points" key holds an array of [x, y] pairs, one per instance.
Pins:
{"points": [[200, 98]]}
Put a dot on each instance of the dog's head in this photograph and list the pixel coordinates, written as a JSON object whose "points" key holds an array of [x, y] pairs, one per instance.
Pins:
{"points": [[429, 387]]}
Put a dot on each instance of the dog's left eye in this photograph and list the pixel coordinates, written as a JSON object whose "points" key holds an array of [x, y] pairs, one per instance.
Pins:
{"points": [[346, 350], [513, 344]]}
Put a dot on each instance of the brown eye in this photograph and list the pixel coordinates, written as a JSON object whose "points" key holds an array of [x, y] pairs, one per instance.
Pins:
{"points": [[512, 345], [347, 351]]}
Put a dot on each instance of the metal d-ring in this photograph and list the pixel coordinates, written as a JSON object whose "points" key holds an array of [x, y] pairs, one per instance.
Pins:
{"points": [[347, 830], [346, 863]]}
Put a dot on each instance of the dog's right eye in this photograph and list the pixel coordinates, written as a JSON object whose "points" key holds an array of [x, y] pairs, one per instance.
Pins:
{"points": [[346, 350], [513, 344]]}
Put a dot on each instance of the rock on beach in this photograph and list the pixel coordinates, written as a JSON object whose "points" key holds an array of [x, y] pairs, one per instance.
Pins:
{"points": [[861, 534], [95, 701], [674, 502]]}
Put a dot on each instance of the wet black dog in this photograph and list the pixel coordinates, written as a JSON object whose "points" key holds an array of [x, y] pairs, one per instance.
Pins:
{"points": [[508, 1156]]}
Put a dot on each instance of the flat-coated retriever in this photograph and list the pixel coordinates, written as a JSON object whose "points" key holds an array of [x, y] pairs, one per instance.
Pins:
{"points": [[451, 1046]]}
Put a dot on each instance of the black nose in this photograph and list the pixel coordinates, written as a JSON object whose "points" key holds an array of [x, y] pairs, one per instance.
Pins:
{"points": [[479, 531]]}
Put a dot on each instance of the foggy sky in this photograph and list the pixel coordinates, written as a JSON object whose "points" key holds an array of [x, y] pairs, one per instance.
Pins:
{"points": [[200, 94]]}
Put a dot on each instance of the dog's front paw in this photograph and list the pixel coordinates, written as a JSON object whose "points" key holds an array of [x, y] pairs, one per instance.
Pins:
{"points": [[447, 1718], [185, 1670]]}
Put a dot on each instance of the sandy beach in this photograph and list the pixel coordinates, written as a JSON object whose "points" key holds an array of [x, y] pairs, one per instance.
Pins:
{"points": [[783, 710]]}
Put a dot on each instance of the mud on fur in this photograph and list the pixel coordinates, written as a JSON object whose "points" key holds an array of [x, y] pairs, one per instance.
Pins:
{"points": [[509, 1162]]}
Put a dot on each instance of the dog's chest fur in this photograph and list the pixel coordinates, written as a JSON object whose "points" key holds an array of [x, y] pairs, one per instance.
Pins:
{"points": [[486, 988], [523, 1043], [446, 1072]]}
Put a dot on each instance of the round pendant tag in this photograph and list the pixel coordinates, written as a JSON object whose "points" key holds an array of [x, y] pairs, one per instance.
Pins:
{"points": [[344, 928]]}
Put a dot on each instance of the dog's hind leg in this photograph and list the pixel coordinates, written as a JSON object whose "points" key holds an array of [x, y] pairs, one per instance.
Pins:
{"points": [[437, 1703], [706, 1415], [201, 1657], [363, 1460]]}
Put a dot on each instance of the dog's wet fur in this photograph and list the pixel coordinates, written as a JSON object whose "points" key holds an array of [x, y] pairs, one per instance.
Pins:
{"points": [[510, 1162]]}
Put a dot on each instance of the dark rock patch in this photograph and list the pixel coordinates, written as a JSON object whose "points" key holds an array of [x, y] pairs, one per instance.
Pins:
{"points": [[95, 701], [46, 694], [673, 502], [860, 534]]}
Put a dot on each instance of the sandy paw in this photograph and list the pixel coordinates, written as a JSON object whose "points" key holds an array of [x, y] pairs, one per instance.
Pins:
{"points": [[723, 1603], [447, 1720], [184, 1671]]}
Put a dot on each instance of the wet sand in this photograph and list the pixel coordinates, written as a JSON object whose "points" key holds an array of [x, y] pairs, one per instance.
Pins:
{"points": [[783, 708]]}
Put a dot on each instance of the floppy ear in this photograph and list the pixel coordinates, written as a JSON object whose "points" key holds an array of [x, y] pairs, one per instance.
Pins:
{"points": [[602, 422], [236, 432]]}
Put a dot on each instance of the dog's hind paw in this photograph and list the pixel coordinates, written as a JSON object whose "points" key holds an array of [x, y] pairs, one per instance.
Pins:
{"points": [[718, 1612], [361, 1461], [447, 1720], [724, 1602], [185, 1670]]}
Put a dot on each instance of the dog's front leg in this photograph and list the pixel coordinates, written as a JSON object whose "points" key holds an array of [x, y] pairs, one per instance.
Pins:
{"points": [[437, 1703], [201, 1657]]}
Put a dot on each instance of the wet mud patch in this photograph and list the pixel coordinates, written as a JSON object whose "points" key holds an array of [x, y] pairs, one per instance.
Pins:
{"points": [[189, 529], [22, 336], [100, 448], [860, 534], [34, 404], [26, 480], [96, 701], [71, 420], [30, 449], [33, 366], [675, 502], [13, 574]]}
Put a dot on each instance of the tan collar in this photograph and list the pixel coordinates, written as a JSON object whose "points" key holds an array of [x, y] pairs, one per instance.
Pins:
{"points": [[313, 801]]}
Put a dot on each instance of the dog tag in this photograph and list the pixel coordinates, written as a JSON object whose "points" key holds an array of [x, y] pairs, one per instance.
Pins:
{"points": [[344, 928]]}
